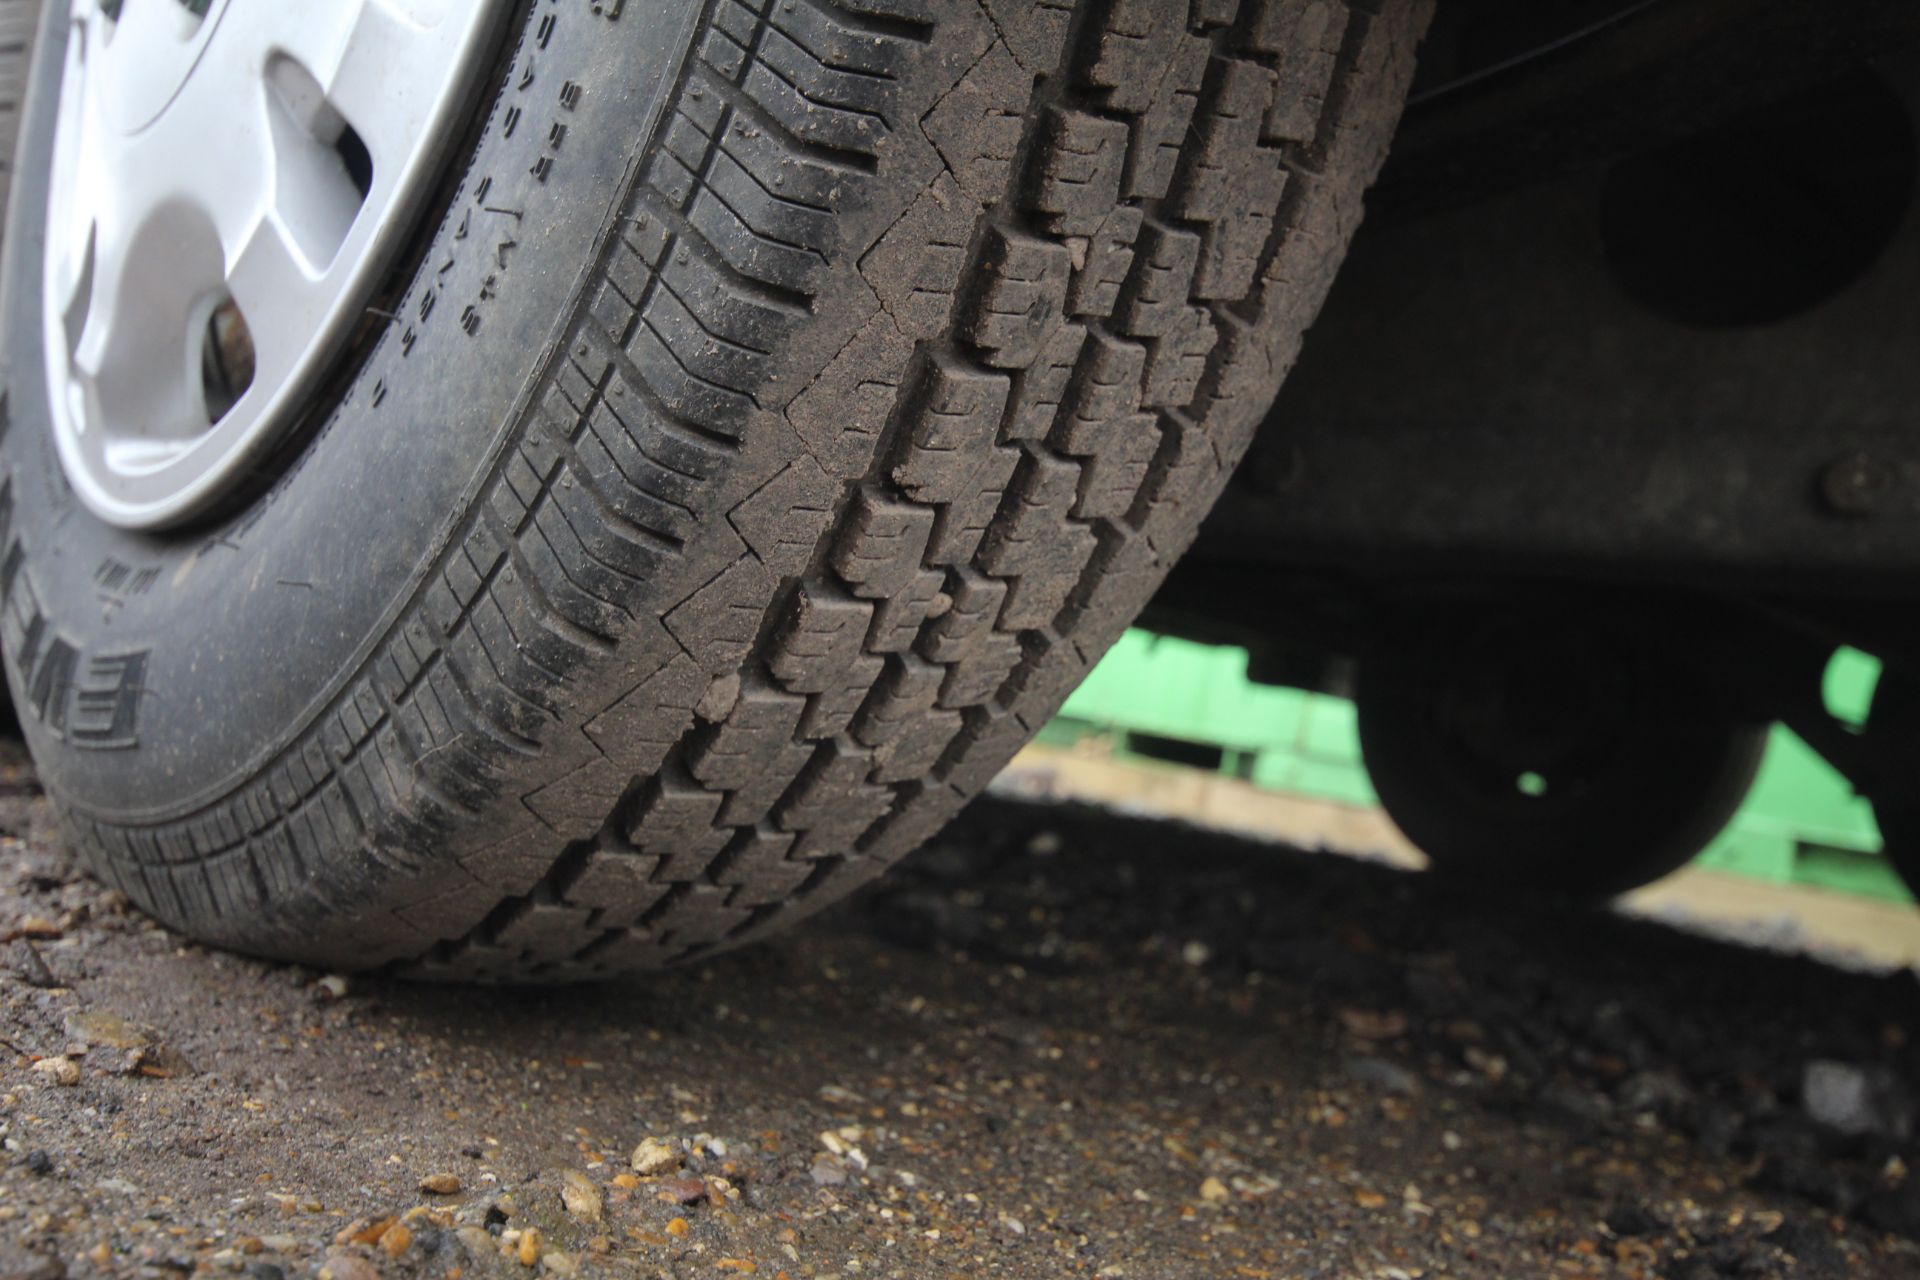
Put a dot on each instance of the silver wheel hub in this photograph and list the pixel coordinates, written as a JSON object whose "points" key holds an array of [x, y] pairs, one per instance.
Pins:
{"points": [[230, 180]]}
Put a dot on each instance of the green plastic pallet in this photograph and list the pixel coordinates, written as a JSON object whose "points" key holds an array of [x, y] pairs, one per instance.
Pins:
{"points": [[1802, 823]]}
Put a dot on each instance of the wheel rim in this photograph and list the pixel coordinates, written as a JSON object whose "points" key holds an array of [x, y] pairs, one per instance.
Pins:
{"points": [[230, 181]]}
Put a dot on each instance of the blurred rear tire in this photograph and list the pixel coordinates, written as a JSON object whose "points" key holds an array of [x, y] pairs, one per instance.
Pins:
{"points": [[1552, 754]]}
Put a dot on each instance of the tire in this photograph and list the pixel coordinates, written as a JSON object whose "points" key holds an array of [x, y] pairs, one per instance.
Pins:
{"points": [[714, 518], [1651, 771], [18, 21]]}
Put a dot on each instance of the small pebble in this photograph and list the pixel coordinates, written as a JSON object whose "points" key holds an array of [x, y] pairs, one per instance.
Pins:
{"points": [[61, 1070], [653, 1157], [395, 1240], [579, 1196], [529, 1247], [440, 1184], [475, 1241], [683, 1190], [347, 1266]]}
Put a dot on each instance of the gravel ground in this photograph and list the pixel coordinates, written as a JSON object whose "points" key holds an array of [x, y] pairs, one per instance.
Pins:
{"points": [[1057, 1043]]}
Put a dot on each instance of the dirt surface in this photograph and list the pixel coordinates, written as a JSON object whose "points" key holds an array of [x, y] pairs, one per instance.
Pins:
{"points": [[1056, 1043]]}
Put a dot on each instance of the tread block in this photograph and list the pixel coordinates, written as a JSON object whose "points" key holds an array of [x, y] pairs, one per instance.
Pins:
{"points": [[681, 390], [796, 187], [1082, 159], [542, 930], [701, 913], [973, 602], [746, 744], [908, 688], [991, 734], [784, 519], [1117, 467], [645, 723], [665, 469], [897, 619], [617, 885], [1305, 36], [762, 236], [831, 710], [759, 871], [841, 415], [715, 368], [808, 113], [916, 268], [820, 650], [1023, 297], [1215, 13], [1035, 30], [950, 430], [577, 804], [882, 545], [1034, 534], [1106, 428], [1182, 469], [836, 40], [1235, 181], [833, 803], [1160, 131], [496, 673], [1034, 600], [845, 75], [911, 755], [1108, 387], [1040, 387], [675, 822], [1157, 295], [1177, 362], [962, 523], [720, 620], [1102, 261], [978, 125], [1132, 52], [590, 595], [820, 639], [576, 517], [743, 325], [513, 865], [751, 800]]}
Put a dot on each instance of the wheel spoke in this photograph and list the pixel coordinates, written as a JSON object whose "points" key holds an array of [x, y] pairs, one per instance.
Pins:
{"points": [[381, 85], [279, 299]]}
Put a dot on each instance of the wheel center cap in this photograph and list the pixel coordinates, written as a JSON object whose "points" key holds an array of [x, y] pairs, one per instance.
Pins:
{"points": [[149, 48]]}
